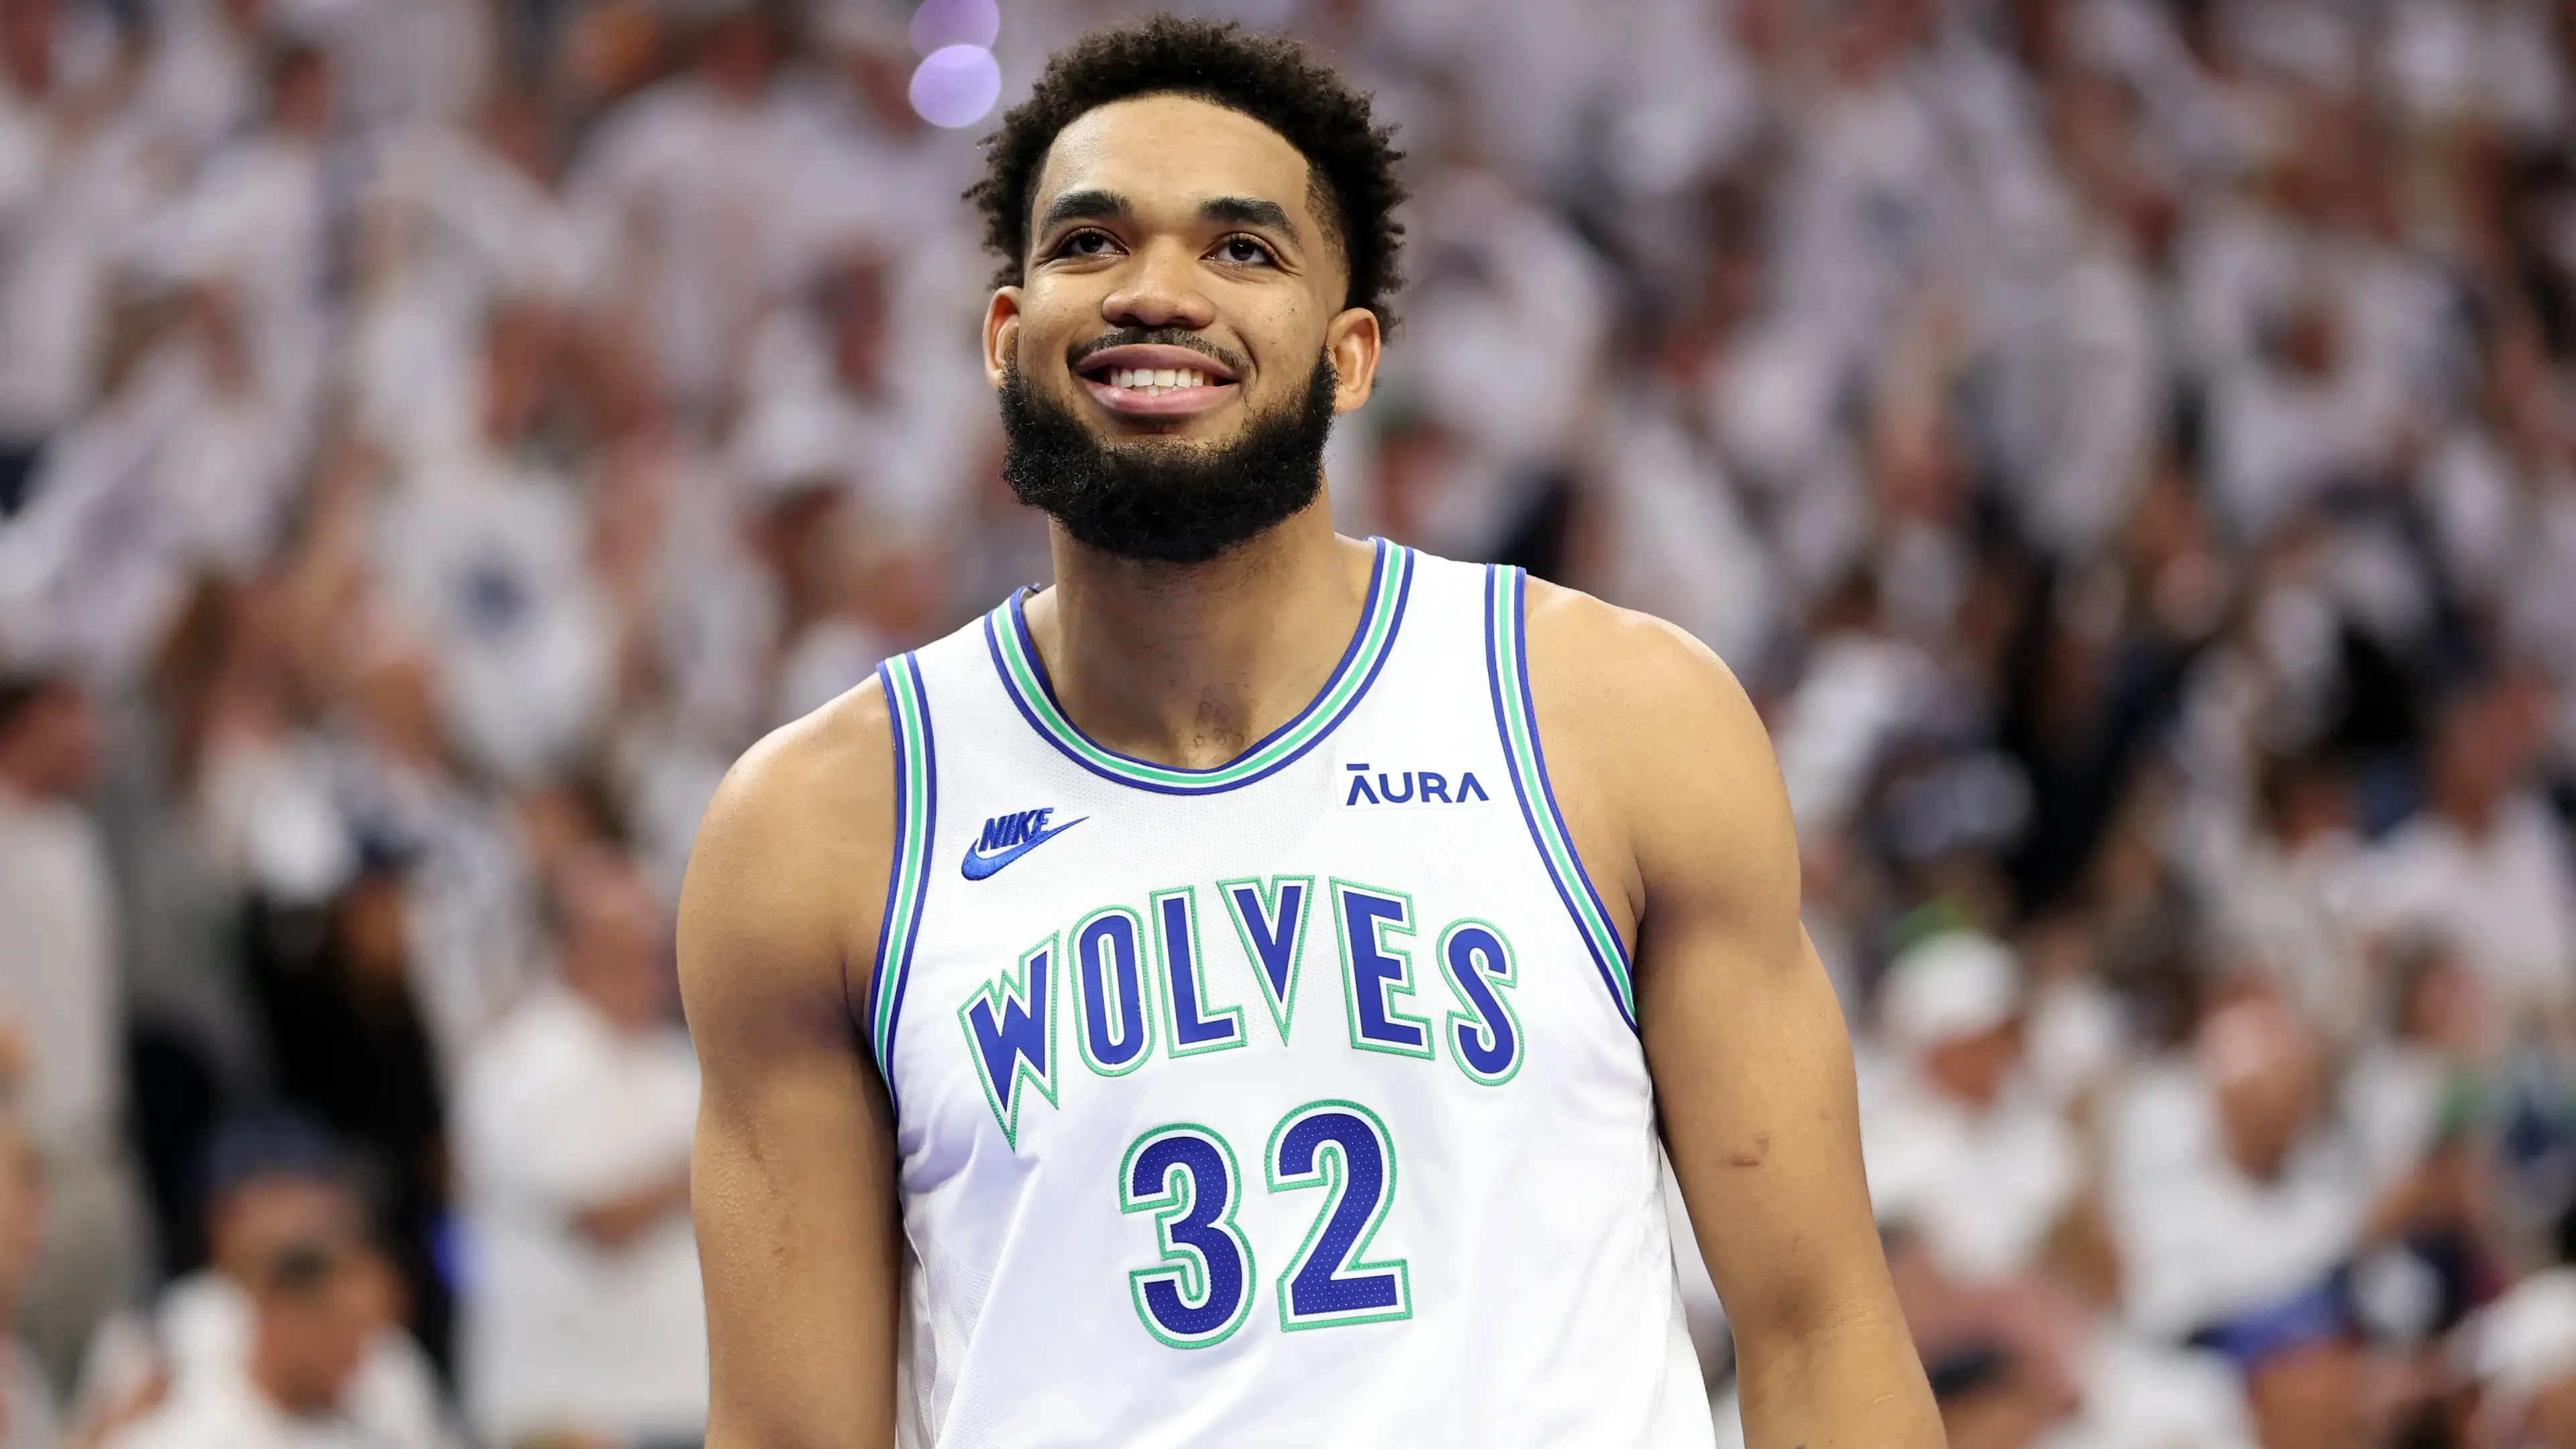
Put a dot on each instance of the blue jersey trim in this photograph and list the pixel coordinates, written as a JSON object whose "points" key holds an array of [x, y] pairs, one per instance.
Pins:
{"points": [[1610, 958], [886, 923], [1016, 620], [916, 818], [929, 849]]}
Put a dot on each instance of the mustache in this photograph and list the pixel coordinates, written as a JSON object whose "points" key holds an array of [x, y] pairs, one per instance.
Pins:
{"points": [[1158, 337]]}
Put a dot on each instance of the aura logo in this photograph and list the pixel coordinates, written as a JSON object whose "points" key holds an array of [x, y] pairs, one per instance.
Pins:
{"points": [[1008, 837], [1412, 787]]}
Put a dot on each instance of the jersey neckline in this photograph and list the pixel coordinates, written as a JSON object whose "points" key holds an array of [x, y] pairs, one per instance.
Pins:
{"points": [[1024, 679]]}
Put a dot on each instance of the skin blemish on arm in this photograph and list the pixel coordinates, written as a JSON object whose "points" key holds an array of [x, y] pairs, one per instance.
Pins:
{"points": [[1761, 1150]]}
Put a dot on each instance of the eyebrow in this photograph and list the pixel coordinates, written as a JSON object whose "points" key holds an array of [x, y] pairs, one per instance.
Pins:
{"points": [[1089, 203], [1250, 211]]}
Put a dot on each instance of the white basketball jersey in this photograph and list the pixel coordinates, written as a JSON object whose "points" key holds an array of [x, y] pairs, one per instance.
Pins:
{"points": [[1295, 1102]]}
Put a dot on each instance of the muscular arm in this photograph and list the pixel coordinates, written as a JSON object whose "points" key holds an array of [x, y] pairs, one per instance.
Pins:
{"points": [[1674, 801], [793, 1178]]}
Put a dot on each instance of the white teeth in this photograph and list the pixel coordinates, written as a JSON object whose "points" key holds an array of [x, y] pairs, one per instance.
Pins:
{"points": [[1155, 380]]}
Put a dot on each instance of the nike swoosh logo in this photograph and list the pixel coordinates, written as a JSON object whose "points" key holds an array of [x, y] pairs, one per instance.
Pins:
{"points": [[977, 866]]}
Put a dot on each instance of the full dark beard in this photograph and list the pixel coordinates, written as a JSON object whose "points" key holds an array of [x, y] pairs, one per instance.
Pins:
{"points": [[1158, 500]]}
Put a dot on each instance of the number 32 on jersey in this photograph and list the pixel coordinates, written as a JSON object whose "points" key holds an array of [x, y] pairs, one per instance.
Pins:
{"points": [[1201, 1288]]}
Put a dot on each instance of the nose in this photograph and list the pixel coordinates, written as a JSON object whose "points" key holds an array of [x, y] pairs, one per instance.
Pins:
{"points": [[1160, 290]]}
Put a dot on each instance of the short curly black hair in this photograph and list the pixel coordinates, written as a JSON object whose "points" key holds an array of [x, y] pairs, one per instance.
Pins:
{"points": [[1351, 159]]}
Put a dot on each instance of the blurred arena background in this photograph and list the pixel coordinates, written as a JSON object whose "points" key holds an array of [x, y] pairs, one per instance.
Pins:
{"points": [[2128, 448]]}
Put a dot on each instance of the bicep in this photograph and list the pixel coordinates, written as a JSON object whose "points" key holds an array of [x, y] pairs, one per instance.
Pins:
{"points": [[799, 1239], [1752, 1063], [793, 1175], [1753, 1080], [1745, 1041]]}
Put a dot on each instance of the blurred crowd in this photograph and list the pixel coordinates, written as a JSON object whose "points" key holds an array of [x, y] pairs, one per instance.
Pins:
{"points": [[2127, 447]]}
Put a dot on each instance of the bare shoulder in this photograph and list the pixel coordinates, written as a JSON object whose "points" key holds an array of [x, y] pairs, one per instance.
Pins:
{"points": [[778, 895], [1657, 757], [1632, 673]]}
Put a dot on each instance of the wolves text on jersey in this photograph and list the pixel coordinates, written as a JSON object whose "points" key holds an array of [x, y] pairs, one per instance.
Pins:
{"points": [[1121, 1005]]}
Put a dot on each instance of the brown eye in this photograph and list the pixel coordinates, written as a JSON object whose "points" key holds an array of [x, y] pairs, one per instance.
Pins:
{"points": [[1086, 244], [1243, 251]]}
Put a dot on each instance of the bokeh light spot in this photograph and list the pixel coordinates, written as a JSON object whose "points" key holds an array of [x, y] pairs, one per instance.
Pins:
{"points": [[956, 85], [939, 24]]}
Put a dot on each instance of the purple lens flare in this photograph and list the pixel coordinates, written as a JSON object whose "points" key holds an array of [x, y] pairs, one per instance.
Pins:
{"points": [[956, 85], [939, 24]]}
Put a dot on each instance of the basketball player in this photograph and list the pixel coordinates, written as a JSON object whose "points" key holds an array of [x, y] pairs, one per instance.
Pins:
{"points": [[1233, 996]]}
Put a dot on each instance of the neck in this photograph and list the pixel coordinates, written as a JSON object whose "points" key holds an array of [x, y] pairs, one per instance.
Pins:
{"points": [[2473, 811], [283, 1392], [1189, 664]]}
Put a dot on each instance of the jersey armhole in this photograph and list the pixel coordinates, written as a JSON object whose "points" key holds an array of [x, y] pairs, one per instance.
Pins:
{"points": [[916, 799], [1516, 721]]}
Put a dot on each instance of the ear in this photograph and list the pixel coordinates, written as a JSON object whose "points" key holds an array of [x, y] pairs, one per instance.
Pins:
{"points": [[1353, 339], [1001, 335]]}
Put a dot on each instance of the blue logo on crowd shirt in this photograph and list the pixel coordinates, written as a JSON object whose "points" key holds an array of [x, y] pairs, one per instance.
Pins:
{"points": [[1008, 837]]}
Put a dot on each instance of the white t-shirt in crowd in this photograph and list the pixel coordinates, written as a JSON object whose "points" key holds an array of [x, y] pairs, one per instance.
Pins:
{"points": [[2506, 900], [906, 453], [229, 1413], [688, 199], [490, 558], [463, 227], [2451, 61], [66, 200], [201, 1329], [557, 1111], [1983, 1188], [198, 86], [2140, 1395], [1679, 544], [2199, 1240]]}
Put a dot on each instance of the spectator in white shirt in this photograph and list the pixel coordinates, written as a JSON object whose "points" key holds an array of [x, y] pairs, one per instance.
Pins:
{"points": [[2277, 881], [2455, 61], [688, 198], [259, 225], [840, 393], [2228, 1190], [50, 237], [2422, 1083], [2522, 1353], [1961, 1147], [290, 1336], [199, 84], [583, 1310], [315, 1302], [59, 995], [485, 548], [458, 217], [2301, 416], [2235, 1191], [2485, 867]]}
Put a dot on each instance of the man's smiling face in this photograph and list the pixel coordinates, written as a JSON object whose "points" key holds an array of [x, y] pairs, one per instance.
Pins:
{"points": [[1183, 277]]}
